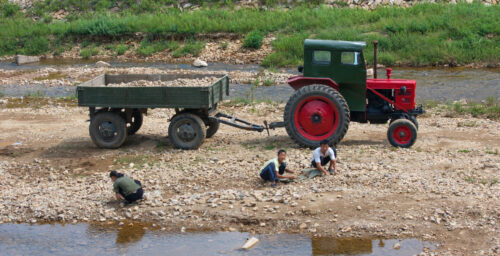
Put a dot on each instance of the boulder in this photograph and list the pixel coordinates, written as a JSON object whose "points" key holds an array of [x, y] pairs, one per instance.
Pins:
{"points": [[102, 64], [23, 59], [200, 63]]}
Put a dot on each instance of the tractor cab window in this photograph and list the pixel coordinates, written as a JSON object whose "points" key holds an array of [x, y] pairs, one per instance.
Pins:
{"points": [[350, 58], [322, 57]]}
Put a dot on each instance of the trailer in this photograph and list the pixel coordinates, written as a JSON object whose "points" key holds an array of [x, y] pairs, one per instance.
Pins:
{"points": [[117, 112]]}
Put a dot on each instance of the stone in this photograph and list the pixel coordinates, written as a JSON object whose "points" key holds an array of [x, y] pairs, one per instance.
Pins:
{"points": [[23, 59], [102, 64], [396, 246], [200, 63], [303, 226]]}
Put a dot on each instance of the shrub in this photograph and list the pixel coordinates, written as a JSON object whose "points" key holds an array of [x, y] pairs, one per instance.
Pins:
{"points": [[8, 9], [253, 40], [121, 49], [89, 52], [191, 47], [35, 46]]}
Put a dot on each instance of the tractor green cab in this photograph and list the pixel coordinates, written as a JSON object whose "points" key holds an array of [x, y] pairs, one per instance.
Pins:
{"points": [[334, 90]]}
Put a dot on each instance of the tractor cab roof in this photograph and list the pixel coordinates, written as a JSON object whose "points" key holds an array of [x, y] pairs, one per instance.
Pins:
{"points": [[315, 44]]}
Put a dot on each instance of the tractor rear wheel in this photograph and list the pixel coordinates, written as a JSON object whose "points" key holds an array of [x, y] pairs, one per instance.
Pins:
{"points": [[315, 113], [402, 133]]}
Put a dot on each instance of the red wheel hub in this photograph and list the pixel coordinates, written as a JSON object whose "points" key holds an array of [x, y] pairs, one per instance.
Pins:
{"points": [[316, 118], [402, 134]]}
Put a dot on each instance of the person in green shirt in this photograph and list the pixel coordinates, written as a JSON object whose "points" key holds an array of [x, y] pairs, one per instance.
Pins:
{"points": [[275, 168], [126, 188]]}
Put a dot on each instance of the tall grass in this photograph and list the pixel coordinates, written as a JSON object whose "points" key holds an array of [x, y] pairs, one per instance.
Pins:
{"points": [[425, 34]]}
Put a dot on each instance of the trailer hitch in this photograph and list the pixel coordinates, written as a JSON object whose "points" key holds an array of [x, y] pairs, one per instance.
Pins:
{"points": [[237, 122]]}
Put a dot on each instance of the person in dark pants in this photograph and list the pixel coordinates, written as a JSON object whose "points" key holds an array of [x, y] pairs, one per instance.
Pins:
{"points": [[126, 188], [323, 155], [275, 168]]}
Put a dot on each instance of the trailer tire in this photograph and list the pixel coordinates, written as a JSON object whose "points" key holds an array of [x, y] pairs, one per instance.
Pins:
{"points": [[402, 133], [136, 123], [315, 113], [186, 131], [108, 130], [213, 126]]}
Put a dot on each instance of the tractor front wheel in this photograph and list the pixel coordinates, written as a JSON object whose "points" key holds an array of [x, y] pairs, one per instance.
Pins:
{"points": [[315, 113], [402, 133]]}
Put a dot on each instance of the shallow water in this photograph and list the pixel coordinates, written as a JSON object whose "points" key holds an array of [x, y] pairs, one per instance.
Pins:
{"points": [[439, 84], [140, 239]]}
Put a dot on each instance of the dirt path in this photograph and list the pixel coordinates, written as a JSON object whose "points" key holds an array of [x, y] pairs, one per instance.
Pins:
{"points": [[445, 189]]}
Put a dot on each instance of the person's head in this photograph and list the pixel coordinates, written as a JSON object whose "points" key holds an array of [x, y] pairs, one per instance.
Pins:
{"points": [[324, 146], [281, 155], [115, 175]]}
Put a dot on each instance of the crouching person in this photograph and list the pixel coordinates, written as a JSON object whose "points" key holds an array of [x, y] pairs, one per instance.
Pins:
{"points": [[322, 156], [275, 168], [126, 188]]}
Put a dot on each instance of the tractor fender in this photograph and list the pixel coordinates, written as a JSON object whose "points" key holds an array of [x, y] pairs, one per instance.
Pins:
{"points": [[297, 82]]}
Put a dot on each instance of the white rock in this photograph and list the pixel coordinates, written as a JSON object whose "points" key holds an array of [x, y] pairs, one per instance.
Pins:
{"points": [[102, 64], [200, 63]]}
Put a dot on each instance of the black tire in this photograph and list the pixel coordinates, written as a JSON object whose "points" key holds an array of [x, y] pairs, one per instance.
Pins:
{"points": [[335, 102], [213, 126], [402, 133], [413, 119], [136, 123], [186, 131], [108, 130]]}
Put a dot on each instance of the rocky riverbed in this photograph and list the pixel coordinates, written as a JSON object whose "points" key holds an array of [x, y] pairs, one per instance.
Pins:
{"points": [[444, 189]]}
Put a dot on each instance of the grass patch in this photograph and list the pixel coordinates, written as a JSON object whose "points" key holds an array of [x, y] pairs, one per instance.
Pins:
{"points": [[37, 94], [253, 40], [492, 152], [490, 108], [136, 160], [192, 48], [89, 52], [121, 49], [148, 48], [464, 151], [50, 76]]}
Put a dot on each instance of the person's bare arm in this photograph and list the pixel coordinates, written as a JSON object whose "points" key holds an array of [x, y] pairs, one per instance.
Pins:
{"points": [[289, 171], [118, 196], [319, 167], [285, 176]]}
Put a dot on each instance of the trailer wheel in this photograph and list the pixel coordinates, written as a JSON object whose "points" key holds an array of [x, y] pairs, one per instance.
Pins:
{"points": [[315, 113], [186, 131], [108, 130], [402, 133], [136, 123], [213, 126]]}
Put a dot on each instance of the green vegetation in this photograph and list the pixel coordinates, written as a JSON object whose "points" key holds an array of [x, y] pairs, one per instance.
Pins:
{"points": [[89, 52], [253, 40], [2, 94], [148, 48], [136, 160], [489, 108], [190, 47], [425, 34], [37, 94]]}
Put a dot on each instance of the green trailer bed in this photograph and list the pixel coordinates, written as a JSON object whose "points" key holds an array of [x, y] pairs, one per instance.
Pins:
{"points": [[95, 93]]}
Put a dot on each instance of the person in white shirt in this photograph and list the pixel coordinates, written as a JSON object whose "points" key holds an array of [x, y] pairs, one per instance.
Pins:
{"points": [[323, 155]]}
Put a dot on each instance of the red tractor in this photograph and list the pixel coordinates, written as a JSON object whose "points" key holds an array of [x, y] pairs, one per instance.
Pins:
{"points": [[334, 90]]}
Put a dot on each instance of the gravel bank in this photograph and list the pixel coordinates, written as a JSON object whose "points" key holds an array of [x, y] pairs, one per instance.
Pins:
{"points": [[444, 189]]}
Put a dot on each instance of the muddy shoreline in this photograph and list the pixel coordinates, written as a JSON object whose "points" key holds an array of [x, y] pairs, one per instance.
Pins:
{"points": [[444, 189]]}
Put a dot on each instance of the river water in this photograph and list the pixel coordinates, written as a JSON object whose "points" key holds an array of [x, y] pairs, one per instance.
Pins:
{"points": [[143, 239], [437, 84]]}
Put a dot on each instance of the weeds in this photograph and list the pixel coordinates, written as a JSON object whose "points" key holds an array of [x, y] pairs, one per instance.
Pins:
{"points": [[89, 52], [37, 94], [192, 48], [253, 40]]}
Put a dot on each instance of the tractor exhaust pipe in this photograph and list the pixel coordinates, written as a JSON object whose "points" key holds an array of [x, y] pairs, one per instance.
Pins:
{"points": [[375, 58]]}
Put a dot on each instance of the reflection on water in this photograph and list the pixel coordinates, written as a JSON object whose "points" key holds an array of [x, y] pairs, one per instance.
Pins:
{"points": [[143, 238]]}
